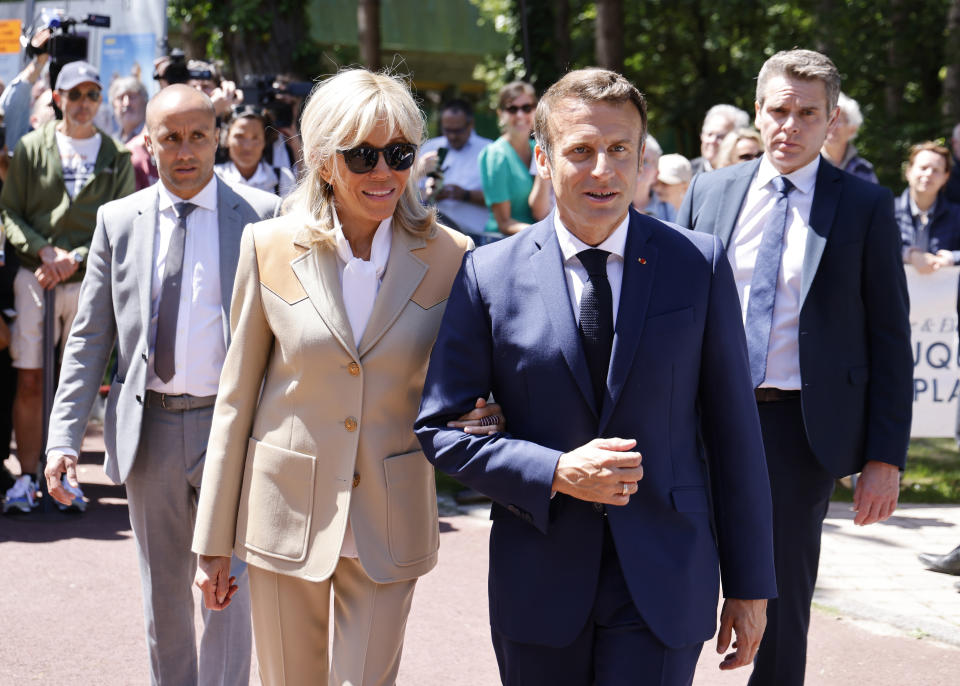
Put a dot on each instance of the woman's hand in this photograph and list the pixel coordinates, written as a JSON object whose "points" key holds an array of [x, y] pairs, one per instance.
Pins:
{"points": [[214, 580], [484, 420]]}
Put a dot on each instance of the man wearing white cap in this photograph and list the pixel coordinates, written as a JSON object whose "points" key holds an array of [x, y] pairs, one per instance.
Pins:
{"points": [[59, 177], [673, 177]]}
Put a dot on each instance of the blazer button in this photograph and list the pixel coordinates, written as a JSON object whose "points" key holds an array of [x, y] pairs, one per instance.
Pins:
{"points": [[356, 480], [354, 369], [144, 356], [350, 423], [140, 400]]}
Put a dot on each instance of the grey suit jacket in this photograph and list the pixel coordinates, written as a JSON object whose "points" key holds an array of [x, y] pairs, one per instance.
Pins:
{"points": [[115, 308]]}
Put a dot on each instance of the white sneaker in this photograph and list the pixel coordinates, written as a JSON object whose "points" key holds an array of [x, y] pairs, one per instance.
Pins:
{"points": [[20, 496], [79, 501]]}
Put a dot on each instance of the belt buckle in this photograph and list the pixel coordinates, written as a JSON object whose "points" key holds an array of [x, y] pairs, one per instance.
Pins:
{"points": [[163, 401]]}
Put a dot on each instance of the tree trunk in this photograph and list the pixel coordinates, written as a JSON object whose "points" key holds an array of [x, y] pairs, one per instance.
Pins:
{"points": [[271, 54], [609, 34], [893, 90], [561, 35], [951, 83], [368, 30]]}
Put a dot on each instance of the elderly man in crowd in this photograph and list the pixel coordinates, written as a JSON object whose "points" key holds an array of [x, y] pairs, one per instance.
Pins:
{"points": [[839, 149], [59, 177], [128, 97], [646, 199], [816, 257], [159, 282], [719, 121], [454, 181]]}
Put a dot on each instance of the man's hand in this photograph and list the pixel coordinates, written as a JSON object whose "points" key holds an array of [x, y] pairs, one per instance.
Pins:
{"points": [[225, 96], [214, 580], [598, 471], [482, 421], [944, 258], [56, 265], [924, 262], [60, 463], [747, 619], [875, 497]]}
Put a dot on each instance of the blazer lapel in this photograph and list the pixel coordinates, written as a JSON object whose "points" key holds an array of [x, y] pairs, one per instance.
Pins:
{"points": [[735, 187], [401, 278], [231, 229], [142, 246], [639, 270], [551, 281], [826, 199], [320, 278]]}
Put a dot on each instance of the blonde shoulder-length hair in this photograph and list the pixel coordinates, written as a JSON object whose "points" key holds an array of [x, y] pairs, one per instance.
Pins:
{"points": [[340, 113]]}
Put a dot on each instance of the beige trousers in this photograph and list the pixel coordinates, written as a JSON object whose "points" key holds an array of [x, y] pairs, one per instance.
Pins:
{"points": [[291, 627]]}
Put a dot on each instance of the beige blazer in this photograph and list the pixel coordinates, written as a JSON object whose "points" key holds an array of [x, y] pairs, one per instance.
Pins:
{"points": [[310, 427]]}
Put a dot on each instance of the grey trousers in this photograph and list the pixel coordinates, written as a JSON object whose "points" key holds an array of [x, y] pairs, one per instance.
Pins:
{"points": [[162, 492]]}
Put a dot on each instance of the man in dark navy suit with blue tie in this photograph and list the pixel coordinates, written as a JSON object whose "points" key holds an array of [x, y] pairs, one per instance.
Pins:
{"points": [[816, 257], [633, 469]]}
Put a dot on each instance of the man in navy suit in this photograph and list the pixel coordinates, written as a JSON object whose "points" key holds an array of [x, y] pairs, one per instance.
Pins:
{"points": [[815, 254], [633, 468]]}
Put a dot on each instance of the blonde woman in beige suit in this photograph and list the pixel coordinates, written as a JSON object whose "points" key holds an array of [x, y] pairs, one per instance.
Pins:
{"points": [[313, 475]]}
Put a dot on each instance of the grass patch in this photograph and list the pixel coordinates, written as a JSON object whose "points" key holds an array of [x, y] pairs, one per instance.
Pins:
{"points": [[932, 474]]}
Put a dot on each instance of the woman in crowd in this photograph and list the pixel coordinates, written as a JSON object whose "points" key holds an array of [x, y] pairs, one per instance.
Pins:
{"points": [[740, 145], [929, 223], [515, 195], [839, 148], [313, 475], [248, 135]]}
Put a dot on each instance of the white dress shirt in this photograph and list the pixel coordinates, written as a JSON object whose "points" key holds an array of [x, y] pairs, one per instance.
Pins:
{"points": [[576, 273], [358, 309], [462, 168], [200, 318], [783, 354]]}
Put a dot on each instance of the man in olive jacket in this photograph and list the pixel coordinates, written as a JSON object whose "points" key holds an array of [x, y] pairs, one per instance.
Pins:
{"points": [[59, 177]]}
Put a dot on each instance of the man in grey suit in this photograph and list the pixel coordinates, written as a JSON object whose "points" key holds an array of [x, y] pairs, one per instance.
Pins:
{"points": [[158, 285]]}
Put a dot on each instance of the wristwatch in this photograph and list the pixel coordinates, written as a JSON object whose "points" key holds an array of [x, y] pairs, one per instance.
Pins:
{"points": [[77, 257]]}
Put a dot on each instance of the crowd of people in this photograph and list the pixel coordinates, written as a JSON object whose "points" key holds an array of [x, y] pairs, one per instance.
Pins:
{"points": [[656, 380]]}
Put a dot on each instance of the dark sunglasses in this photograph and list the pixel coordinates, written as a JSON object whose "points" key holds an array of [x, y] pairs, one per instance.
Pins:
{"points": [[74, 94], [746, 157], [363, 158], [513, 109]]}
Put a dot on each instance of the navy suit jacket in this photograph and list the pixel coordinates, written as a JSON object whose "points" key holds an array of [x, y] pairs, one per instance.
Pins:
{"points": [[678, 383], [856, 365]]}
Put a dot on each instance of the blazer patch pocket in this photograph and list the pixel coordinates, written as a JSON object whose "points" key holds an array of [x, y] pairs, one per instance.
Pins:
{"points": [[276, 503], [412, 528]]}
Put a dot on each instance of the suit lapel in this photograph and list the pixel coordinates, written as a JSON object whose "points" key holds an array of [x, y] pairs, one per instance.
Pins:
{"points": [[826, 199], [142, 247], [403, 274], [320, 278], [551, 281], [735, 187], [231, 228], [639, 270]]}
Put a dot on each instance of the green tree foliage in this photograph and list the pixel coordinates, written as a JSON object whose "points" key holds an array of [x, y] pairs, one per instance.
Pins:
{"points": [[687, 55], [249, 36]]}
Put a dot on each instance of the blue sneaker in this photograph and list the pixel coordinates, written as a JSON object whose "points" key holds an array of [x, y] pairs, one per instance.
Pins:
{"points": [[21, 496]]}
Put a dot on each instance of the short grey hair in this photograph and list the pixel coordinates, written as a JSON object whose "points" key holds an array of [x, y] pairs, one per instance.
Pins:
{"points": [[850, 110], [806, 65], [651, 146], [125, 84], [735, 115], [956, 132]]}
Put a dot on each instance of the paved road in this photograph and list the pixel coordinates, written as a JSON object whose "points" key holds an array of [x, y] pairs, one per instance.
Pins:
{"points": [[70, 609]]}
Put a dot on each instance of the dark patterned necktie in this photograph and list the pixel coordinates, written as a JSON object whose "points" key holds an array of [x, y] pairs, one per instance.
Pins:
{"points": [[596, 319], [763, 284], [165, 347]]}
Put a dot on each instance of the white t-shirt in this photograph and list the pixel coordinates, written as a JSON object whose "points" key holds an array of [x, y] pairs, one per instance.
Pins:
{"points": [[78, 157]]}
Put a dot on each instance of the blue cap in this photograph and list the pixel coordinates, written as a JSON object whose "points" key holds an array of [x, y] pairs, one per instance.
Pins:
{"points": [[75, 73]]}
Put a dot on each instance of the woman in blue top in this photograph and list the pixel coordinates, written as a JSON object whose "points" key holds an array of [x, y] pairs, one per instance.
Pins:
{"points": [[505, 164], [929, 223]]}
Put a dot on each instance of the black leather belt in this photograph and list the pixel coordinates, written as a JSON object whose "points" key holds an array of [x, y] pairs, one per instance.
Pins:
{"points": [[774, 395], [179, 403]]}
